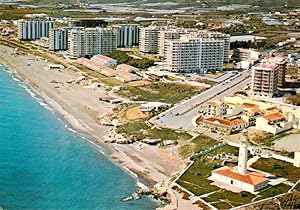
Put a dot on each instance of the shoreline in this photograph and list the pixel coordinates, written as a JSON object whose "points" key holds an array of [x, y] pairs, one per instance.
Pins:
{"points": [[128, 157], [70, 122]]}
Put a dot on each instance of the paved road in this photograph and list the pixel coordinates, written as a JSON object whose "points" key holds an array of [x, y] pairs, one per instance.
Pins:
{"points": [[181, 115]]}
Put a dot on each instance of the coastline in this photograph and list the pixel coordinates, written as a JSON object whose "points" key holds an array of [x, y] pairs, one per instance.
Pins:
{"points": [[150, 164]]}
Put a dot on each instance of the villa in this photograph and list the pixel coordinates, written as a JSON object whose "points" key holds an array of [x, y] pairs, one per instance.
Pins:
{"points": [[275, 123]]}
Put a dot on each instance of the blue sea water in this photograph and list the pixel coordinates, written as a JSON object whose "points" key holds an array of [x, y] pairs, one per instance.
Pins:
{"points": [[45, 166]]}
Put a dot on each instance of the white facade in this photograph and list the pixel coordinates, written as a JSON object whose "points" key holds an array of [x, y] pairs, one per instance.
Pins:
{"points": [[243, 157], [171, 34], [91, 41], [193, 54], [148, 39], [107, 38], [128, 35], [216, 108], [34, 29], [275, 125], [248, 54], [264, 79], [211, 55], [106, 61], [239, 184], [218, 36], [58, 39]]}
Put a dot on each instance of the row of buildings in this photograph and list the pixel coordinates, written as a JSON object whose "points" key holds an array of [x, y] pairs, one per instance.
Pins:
{"points": [[183, 50], [34, 29], [186, 50], [108, 67], [234, 114], [83, 38]]}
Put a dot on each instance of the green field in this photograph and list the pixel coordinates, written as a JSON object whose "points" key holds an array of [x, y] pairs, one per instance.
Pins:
{"points": [[163, 92], [140, 130], [195, 180], [278, 168]]}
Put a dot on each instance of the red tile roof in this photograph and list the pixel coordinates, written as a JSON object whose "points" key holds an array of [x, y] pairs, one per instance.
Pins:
{"points": [[274, 116], [249, 105], [252, 178], [226, 122]]}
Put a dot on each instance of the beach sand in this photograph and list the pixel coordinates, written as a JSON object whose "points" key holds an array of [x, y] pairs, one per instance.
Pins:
{"points": [[80, 107]]}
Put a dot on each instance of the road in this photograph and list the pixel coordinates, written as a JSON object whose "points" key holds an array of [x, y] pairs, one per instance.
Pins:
{"points": [[181, 115]]}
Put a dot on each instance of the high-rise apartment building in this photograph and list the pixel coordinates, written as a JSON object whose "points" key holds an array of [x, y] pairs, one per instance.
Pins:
{"points": [[58, 39], [128, 35], [148, 40], [34, 29], [264, 79], [86, 42], [107, 39], [218, 36], [83, 42], [193, 54], [171, 34], [211, 54], [281, 62]]}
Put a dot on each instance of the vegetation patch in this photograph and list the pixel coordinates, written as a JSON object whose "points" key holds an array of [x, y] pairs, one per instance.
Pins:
{"points": [[278, 168], [123, 57], [200, 143], [295, 100], [140, 130], [163, 92], [195, 180]]}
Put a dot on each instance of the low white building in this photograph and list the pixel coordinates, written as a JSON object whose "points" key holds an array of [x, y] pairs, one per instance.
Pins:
{"points": [[127, 77], [250, 182], [216, 108], [104, 60], [239, 178], [126, 68], [248, 54], [275, 122], [153, 106]]}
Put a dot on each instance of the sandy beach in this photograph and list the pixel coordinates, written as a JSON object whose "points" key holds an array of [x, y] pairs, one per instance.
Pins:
{"points": [[81, 108]]}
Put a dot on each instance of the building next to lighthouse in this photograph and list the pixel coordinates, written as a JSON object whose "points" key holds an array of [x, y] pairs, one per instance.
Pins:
{"points": [[238, 178]]}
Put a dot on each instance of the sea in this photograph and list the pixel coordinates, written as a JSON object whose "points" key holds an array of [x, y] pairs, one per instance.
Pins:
{"points": [[44, 164]]}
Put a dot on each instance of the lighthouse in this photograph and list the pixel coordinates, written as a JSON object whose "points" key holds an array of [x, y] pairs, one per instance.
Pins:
{"points": [[243, 154]]}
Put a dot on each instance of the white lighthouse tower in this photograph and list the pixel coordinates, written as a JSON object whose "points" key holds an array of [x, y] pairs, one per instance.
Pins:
{"points": [[243, 154]]}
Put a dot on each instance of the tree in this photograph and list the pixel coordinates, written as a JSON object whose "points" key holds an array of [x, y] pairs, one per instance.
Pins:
{"points": [[236, 55]]}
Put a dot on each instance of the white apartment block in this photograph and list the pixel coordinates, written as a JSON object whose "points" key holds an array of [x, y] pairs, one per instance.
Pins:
{"points": [[281, 61], [248, 54], [107, 38], [211, 54], [86, 42], [218, 36], [58, 39], [193, 54], [264, 79], [171, 34], [34, 29], [128, 35], [148, 40], [216, 108]]}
